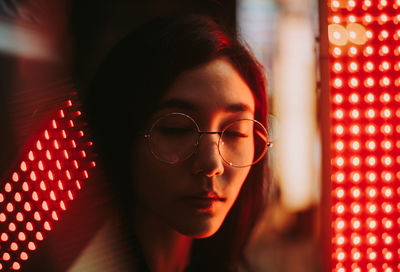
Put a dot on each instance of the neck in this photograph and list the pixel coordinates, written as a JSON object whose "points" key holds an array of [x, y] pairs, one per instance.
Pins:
{"points": [[164, 249]]}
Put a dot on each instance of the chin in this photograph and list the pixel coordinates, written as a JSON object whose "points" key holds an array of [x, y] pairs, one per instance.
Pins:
{"points": [[200, 230]]}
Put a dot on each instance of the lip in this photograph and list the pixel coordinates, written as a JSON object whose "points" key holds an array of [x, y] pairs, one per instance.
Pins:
{"points": [[203, 202]]}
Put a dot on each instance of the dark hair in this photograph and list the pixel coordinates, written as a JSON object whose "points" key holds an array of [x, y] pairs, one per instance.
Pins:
{"points": [[126, 91]]}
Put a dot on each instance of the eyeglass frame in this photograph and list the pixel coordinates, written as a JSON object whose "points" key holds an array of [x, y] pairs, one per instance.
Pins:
{"points": [[201, 132]]}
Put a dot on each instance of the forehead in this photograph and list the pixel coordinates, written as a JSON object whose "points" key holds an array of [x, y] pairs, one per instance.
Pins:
{"points": [[212, 87]]}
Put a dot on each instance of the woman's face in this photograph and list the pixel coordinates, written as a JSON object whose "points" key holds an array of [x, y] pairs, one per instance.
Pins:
{"points": [[194, 196]]}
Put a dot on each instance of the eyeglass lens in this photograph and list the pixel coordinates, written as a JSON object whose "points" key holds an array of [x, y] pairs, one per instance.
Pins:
{"points": [[174, 138]]}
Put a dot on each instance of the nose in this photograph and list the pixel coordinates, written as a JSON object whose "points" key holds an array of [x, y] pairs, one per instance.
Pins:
{"points": [[208, 161]]}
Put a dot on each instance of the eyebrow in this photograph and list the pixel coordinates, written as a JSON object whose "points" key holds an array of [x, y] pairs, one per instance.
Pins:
{"points": [[186, 105]]}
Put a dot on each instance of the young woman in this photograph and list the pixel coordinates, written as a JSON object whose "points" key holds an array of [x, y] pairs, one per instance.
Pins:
{"points": [[178, 113]]}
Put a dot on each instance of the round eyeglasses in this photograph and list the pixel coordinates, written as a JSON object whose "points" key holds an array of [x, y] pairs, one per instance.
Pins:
{"points": [[175, 137]]}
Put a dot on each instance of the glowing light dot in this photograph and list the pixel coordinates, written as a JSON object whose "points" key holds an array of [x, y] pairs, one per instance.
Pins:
{"points": [[340, 256], [21, 236], [15, 177], [340, 177], [353, 82], [336, 19], [10, 207], [3, 217], [356, 256], [71, 123], [337, 67], [40, 165], [356, 193], [4, 237], [356, 208], [48, 155], [369, 82], [19, 217], [27, 207], [6, 256], [371, 160], [12, 227], [354, 114], [387, 129], [46, 134], [50, 175], [340, 161], [355, 177], [29, 226], [387, 145], [39, 236], [371, 177], [58, 164], [355, 129], [372, 208], [371, 129], [60, 185], [387, 208], [31, 246], [66, 156], [53, 195], [45, 206], [1, 198], [339, 114], [69, 103], [31, 156], [23, 166], [73, 144], [385, 82], [352, 51], [68, 174], [35, 196], [372, 192], [54, 216], [339, 130], [8, 187], [85, 174], [370, 98], [37, 216], [33, 176], [339, 145], [23, 256], [78, 185], [355, 145], [47, 226], [356, 224], [14, 246], [340, 193], [71, 197], [39, 145], [353, 67], [54, 124], [352, 19], [371, 145], [62, 205]]}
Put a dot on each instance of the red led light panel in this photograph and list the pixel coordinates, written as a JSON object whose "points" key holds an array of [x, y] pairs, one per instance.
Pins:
{"points": [[364, 54], [47, 177]]}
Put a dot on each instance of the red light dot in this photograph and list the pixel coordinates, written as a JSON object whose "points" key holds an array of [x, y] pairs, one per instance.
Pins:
{"points": [[17, 197], [353, 83], [31, 156], [21, 236], [355, 129], [387, 208], [25, 186], [352, 51], [27, 207], [35, 196], [47, 226], [354, 114], [40, 165], [356, 255], [85, 174], [46, 134], [4, 237], [68, 103], [337, 67], [39, 236], [58, 164], [387, 224], [338, 99], [56, 144], [66, 156], [371, 192], [16, 266], [10, 207], [1, 198], [355, 192], [43, 186], [3, 217], [62, 205], [37, 216], [19, 217], [23, 256], [80, 133], [78, 185], [15, 177], [54, 216], [6, 256], [83, 154], [52, 195], [355, 208], [371, 176], [45, 206], [48, 155], [71, 197], [68, 174], [370, 129], [61, 114], [355, 145], [355, 177], [386, 144], [92, 164], [340, 177], [14, 246], [12, 227], [371, 208], [71, 123], [368, 51], [76, 165], [384, 82], [50, 175], [39, 145], [337, 83], [29, 226], [73, 144], [8, 187], [31, 246], [60, 185], [23, 166], [33, 176], [371, 160], [54, 124], [355, 161]]}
